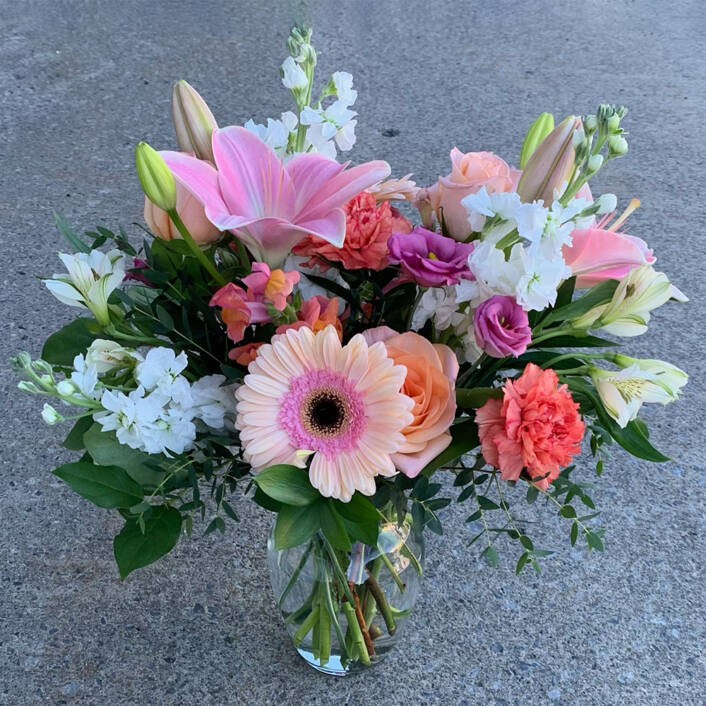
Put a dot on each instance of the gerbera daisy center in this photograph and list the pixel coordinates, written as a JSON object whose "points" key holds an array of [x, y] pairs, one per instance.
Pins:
{"points": [[325, 412]]}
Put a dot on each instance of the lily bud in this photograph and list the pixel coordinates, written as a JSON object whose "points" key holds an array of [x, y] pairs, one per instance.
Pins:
{"points": [[155, 177], [193, 121], [539, 129], [551, 164]]}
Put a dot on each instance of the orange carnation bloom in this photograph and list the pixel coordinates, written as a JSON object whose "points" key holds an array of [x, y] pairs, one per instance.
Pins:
{"points": [[368, 226], [535, 426]]}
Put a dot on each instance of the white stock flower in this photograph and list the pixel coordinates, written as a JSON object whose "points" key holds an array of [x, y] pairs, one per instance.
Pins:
{"points": [[471, 351], [331, 125], [212, 400], [440, 305], [276, 134], [160, 369], [536, 288], [293, 76], [90, 280], [494, 274], [85, 378], [343, 82], [109, 355]]}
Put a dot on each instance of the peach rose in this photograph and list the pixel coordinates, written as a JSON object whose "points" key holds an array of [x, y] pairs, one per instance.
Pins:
{"points": [[190, 211], [469, 172], [430, 382]]}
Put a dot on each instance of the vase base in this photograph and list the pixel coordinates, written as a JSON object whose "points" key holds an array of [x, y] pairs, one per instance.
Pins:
{"points": [[333, 667]]}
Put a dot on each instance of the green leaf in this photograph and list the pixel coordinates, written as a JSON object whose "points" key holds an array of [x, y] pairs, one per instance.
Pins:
{"points": [[532, 494], [526, 542], [332, 526], [594, 541], [74, 440], [217, 523], [477, 397], [491, 555], [576, 342], [287, 484], [68, 232], [524, 558], [106, 450], [574, 532], [265, 501], [487, 504], [63, 346], [475, 516], [134, 549], [600, 294], [295, 525], [358, 509], [567, 511], [464, 437], [105, 486]]}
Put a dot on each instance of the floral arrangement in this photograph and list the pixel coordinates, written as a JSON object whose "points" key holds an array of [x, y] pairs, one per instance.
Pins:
{"points": [[287, 332]]}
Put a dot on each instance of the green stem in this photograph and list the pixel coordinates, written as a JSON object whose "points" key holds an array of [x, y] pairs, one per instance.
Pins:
{"points": [[391, 569], [195, 249], [324, 627], [337, 569], [356, 633], [382, 604], [295, 575], [333, 615], [306, 626]]}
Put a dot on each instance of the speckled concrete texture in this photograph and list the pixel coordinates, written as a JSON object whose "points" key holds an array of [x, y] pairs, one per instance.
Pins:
{"points": [[81, 82]]}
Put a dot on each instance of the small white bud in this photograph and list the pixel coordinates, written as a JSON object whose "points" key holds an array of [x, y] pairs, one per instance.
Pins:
{"points": [[579, 137], [66, 388], [50, 415], [607, 203], [595, 162], [27, 386], [617, 144], [293, 76], [590, 123]]}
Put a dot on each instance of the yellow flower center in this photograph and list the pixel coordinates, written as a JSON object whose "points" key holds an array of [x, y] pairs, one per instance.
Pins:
{"points": [[431, 256]]}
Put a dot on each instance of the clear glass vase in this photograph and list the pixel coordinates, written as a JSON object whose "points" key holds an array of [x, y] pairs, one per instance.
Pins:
{"points": [[346, 610]]}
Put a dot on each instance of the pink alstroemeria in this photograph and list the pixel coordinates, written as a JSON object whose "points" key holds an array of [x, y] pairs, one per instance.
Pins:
{"points": [[268, 204], [596, 254]]}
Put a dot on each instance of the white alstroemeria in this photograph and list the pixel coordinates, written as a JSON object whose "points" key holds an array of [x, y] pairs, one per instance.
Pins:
{"points": [[623, 392], [160, 368], [212, 400], [110, 355], [293, 76], [536, 288], [331, 125], [669, 377], [343, 82], [90, 280], [628, 313], [440, 305], [132, 417], [276, 134]]}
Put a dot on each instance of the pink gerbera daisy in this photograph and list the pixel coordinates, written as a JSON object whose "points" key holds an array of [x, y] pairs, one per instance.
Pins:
{"points": [[307, 392]]}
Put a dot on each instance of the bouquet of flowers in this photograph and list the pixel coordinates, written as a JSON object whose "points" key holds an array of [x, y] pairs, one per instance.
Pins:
{"points": [[287, 332]]}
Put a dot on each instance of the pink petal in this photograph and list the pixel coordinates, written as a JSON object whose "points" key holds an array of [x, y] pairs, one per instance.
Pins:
{"points": [[200, 178], [336, 191], [331, 227], [309, 173], [412, 464], [252, 179]]}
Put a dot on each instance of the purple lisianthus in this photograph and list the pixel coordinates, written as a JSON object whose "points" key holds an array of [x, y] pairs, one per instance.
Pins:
{"points": [[430, 259], [502, 327]]}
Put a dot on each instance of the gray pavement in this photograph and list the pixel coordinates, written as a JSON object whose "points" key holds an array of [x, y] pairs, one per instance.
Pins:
{"points": [[81, 82]]}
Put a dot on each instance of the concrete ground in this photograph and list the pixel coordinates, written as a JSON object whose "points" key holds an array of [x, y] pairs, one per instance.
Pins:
{"points": [[82, 82]]}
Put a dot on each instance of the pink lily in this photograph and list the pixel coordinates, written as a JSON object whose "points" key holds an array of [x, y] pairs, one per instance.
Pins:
{"points": [[596, 254], [270, 205]]}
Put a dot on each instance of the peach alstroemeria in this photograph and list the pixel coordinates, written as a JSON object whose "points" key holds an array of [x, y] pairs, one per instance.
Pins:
{"points": [[235, 311], [316, 313], [265, 285], [430, 382], [270, 205]]}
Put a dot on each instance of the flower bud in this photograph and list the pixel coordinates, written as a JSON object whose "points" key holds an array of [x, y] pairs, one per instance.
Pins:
{"points": [[590, 124], [595, 162], [607, 203], [66, 388], [539, 129], [617, 145], [27, 386], [293, 76], [50, 415], [551, 164], [155, 177], [613, 123], [193, 121]]}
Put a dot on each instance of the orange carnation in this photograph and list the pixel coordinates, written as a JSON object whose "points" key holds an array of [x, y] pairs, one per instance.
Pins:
{"points": [[368, 226], [535, 426]]}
